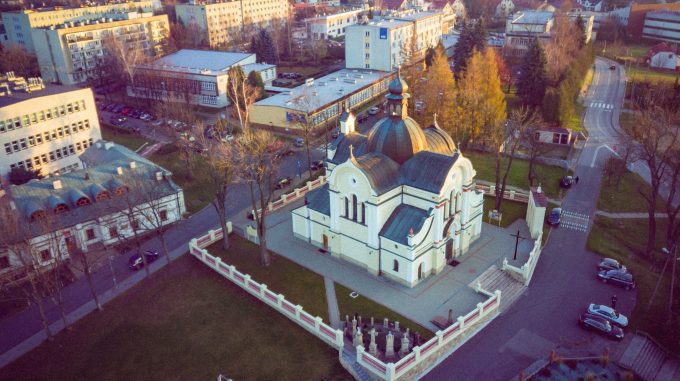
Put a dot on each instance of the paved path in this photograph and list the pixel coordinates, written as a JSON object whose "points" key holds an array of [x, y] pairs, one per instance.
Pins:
{"points": [[628, 215], [332, 300]]}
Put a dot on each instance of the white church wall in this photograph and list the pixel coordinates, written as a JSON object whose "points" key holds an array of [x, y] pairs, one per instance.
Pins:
{"points": [[386, 208], [300, 223]]}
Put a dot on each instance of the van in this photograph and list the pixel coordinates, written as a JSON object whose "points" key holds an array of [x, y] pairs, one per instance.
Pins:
{"points": [[299, 142]]}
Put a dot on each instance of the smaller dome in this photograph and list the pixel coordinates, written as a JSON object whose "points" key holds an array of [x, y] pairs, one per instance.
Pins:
{"points": [[398, 86]]}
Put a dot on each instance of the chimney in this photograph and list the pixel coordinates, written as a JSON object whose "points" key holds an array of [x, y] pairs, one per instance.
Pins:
{"points": [[98, 144], [133, 165], [119, 170], [159, 176], [108, 145], [56, 184]]}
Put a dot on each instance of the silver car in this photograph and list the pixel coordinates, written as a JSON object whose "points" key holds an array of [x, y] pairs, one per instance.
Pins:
{"points": [[608, 313]]}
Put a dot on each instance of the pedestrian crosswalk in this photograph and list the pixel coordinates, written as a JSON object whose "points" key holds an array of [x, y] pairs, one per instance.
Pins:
{"points": [[575, 221], [602, 105]]}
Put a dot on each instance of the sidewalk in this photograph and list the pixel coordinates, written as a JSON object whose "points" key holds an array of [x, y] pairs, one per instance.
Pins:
{"points": [[629, 215]]}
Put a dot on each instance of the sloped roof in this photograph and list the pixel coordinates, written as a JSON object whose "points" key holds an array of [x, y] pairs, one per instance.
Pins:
{"points": [[401, 221], [342, 143], [319, 200], [427, 170], [659, 48], [439, 141], [381, 171]]}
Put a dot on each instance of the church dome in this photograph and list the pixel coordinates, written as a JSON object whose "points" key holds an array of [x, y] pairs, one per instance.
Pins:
{"points": [[397, 135]]}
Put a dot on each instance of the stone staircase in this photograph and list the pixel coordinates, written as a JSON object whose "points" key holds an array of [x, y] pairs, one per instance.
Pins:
{"points": [[496, 279], [348, 359], [649, 360]]}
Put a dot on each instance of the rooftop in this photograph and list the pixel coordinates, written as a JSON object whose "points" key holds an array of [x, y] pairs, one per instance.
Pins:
{"points": [[389, 24], [325, 90], [37, 90], [418, 16], [209, 62], [532, 17], [334, 15], [666, 14]]}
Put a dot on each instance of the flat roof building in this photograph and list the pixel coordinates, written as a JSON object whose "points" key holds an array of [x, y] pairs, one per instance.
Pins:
{"points": [[44, 127], [197, 77], [320, 100], [522, 27], [662, 25], [331, 26]]}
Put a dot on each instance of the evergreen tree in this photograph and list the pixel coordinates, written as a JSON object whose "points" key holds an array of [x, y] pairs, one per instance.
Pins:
{"points": [[532, 80], [480, 35], [463, 49], [21, 175], [255, 79], [267, 48], [256, 47], [580, 24]]}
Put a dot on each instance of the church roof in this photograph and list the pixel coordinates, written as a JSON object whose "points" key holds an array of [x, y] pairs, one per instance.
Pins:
{"points": [[439, 141], [319, 200], [342, 143], [427, 170], [381, 171], [401, 221]]}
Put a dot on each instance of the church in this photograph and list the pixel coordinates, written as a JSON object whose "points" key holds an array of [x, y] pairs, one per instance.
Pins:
{"points": [[399, 201]]}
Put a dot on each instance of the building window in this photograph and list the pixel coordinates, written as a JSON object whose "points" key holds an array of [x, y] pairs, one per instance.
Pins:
{"points": [[346, 208], [89, 233], [363, 213], [113, 232], [45, 255], [395, 266], [135, 225], [163, 214]]}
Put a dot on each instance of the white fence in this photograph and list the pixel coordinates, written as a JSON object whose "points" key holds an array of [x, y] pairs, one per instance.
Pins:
{"points": [[296, 313], [295, 194], [423, 355], [513, 195], [524, 273]]}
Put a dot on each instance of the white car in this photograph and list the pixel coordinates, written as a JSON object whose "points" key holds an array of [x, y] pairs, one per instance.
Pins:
{"points": [[374, 110], [608, 313]]}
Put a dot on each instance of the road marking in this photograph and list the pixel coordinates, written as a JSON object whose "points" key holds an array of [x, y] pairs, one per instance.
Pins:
{"points": [[597, 150], [602, 106], [575, 221]]}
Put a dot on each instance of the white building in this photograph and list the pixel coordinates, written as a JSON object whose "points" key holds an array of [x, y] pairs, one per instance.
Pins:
{"points": [[400, 201], [331, 26], [197, 77], [522, 27], [662, 56], [220, 21], [72, 53], [45, 128], [118, 195], [18, 24], [662, 25], [387, 44]]}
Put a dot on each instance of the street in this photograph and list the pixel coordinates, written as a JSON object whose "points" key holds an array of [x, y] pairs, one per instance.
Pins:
{"points": [[545, 317]]}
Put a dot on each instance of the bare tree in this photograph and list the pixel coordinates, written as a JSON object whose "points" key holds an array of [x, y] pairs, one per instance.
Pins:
{"points": [[86, 262], [123, 57], [309, 103], [259, 171], [536, 150], [242, 94]]}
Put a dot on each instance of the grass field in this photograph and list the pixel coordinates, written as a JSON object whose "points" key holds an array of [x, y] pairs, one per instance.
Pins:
{"points": [[626, 197], [196, 194], [129, 140], [512, 211], [485, 165], [646, 74], [624, 240], [184, 323]]}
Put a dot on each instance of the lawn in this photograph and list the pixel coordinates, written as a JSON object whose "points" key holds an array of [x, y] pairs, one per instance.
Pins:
{"points": [[367, 308], [646, 74], [485, 165], [184, 323], [196, 195], [129, 140], [512, 211], [627, 120], [626, 197], [296, 283], [624, 240]]}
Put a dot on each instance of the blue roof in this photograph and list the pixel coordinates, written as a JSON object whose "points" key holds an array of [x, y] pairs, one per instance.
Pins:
{"points": [[319, 200], [403, 219], [413, 172]]}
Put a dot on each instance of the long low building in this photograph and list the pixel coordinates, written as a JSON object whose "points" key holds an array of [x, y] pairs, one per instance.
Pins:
{"points": [[197, 77], [320, 100]]}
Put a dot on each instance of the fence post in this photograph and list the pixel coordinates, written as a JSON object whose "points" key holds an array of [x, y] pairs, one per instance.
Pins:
{"points": [[269, 206], [390, 371], [360, 353], [480, 307], [498, 297], [339, 339], [416, 353], [512, 194], [461, 323], [440, 338], [317, 323], [284, 198], [203, 253], [212, 235], [246, 280], [218, 260], [192, 244], [232, 268], [298, 309], [279, 301], [263, 290]]}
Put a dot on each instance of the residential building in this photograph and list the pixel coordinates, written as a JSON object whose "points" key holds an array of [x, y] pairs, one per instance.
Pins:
{"points": [[381, 210], [43, 127], [523, 27], [319, 100], [387, 44], [197, 77], [73, 53], [220, 21], [331, 26], [662, 56], [662, 25], [19, 24], [458, 8], [638, 12], [118, 195]]}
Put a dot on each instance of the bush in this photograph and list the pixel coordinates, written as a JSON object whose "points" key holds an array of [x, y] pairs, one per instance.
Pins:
{"points": [[21, 175]]}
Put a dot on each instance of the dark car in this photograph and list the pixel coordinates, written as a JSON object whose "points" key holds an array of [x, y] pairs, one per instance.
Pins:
{"points": [[118, 108], [135, 114], [617, 277], [136, 262], [567, 182], [555, 217], [316, 165], [335, 134], [600, 325], [117, 120], [284, 152], [613, 67], [362, 118], [284, 182], [610, 264], [126, 110]]}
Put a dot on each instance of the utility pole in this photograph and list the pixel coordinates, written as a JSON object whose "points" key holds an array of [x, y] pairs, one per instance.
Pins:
{"points": [[674, 258]]}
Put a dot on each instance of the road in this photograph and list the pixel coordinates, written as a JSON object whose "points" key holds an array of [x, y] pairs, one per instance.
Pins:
{"points": [[545, 317]]}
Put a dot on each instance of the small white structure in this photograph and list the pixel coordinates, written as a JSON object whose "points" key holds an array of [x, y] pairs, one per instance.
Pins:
{"points": [[536, 212], [662, 56], [330, 26], [400, 201]]}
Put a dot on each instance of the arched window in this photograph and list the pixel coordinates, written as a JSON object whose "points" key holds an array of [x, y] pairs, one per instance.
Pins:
{"points": [[395, 266], [38, 214], [346, 208], [83, 201], [354, 207], [103, 195], [60, 208], [121, 190], [451, 204], [458, 202], [363, 213]]}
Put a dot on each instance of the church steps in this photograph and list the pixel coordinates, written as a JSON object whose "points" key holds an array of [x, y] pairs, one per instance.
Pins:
{"points": [[496, 279]]}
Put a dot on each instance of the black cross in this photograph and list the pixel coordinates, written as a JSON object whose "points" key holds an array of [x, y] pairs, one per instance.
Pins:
{"points": [[517, 236]]}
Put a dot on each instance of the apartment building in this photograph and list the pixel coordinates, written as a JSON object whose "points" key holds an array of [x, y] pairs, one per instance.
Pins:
{"points": [[72, 53], [18, 24], [523, 27], [662, 25], [220, 21], [196, 77], [386, 44], [44, 127], [331, 26]]}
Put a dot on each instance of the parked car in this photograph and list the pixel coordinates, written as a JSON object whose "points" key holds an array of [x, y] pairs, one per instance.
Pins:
{"points": [[316, 165], [600, 325], [374, 110], [335, 134], [117, 120], [199, 147], [284, 182], [617, 277], [226, 137], [567, 182], [609, 314], [118, 108], [610, 264], [613, 67], [420, 105], [362, 118], [555, 217], [158, 123], [136, 262], [299, 142], [126, 111]]}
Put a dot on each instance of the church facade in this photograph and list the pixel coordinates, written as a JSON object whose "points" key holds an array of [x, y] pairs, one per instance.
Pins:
{"points": [[399, 201]]}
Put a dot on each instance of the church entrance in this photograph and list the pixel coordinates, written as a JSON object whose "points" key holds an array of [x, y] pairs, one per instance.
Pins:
{"points": [[325, 241], [449, 250], [420, 271]]}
